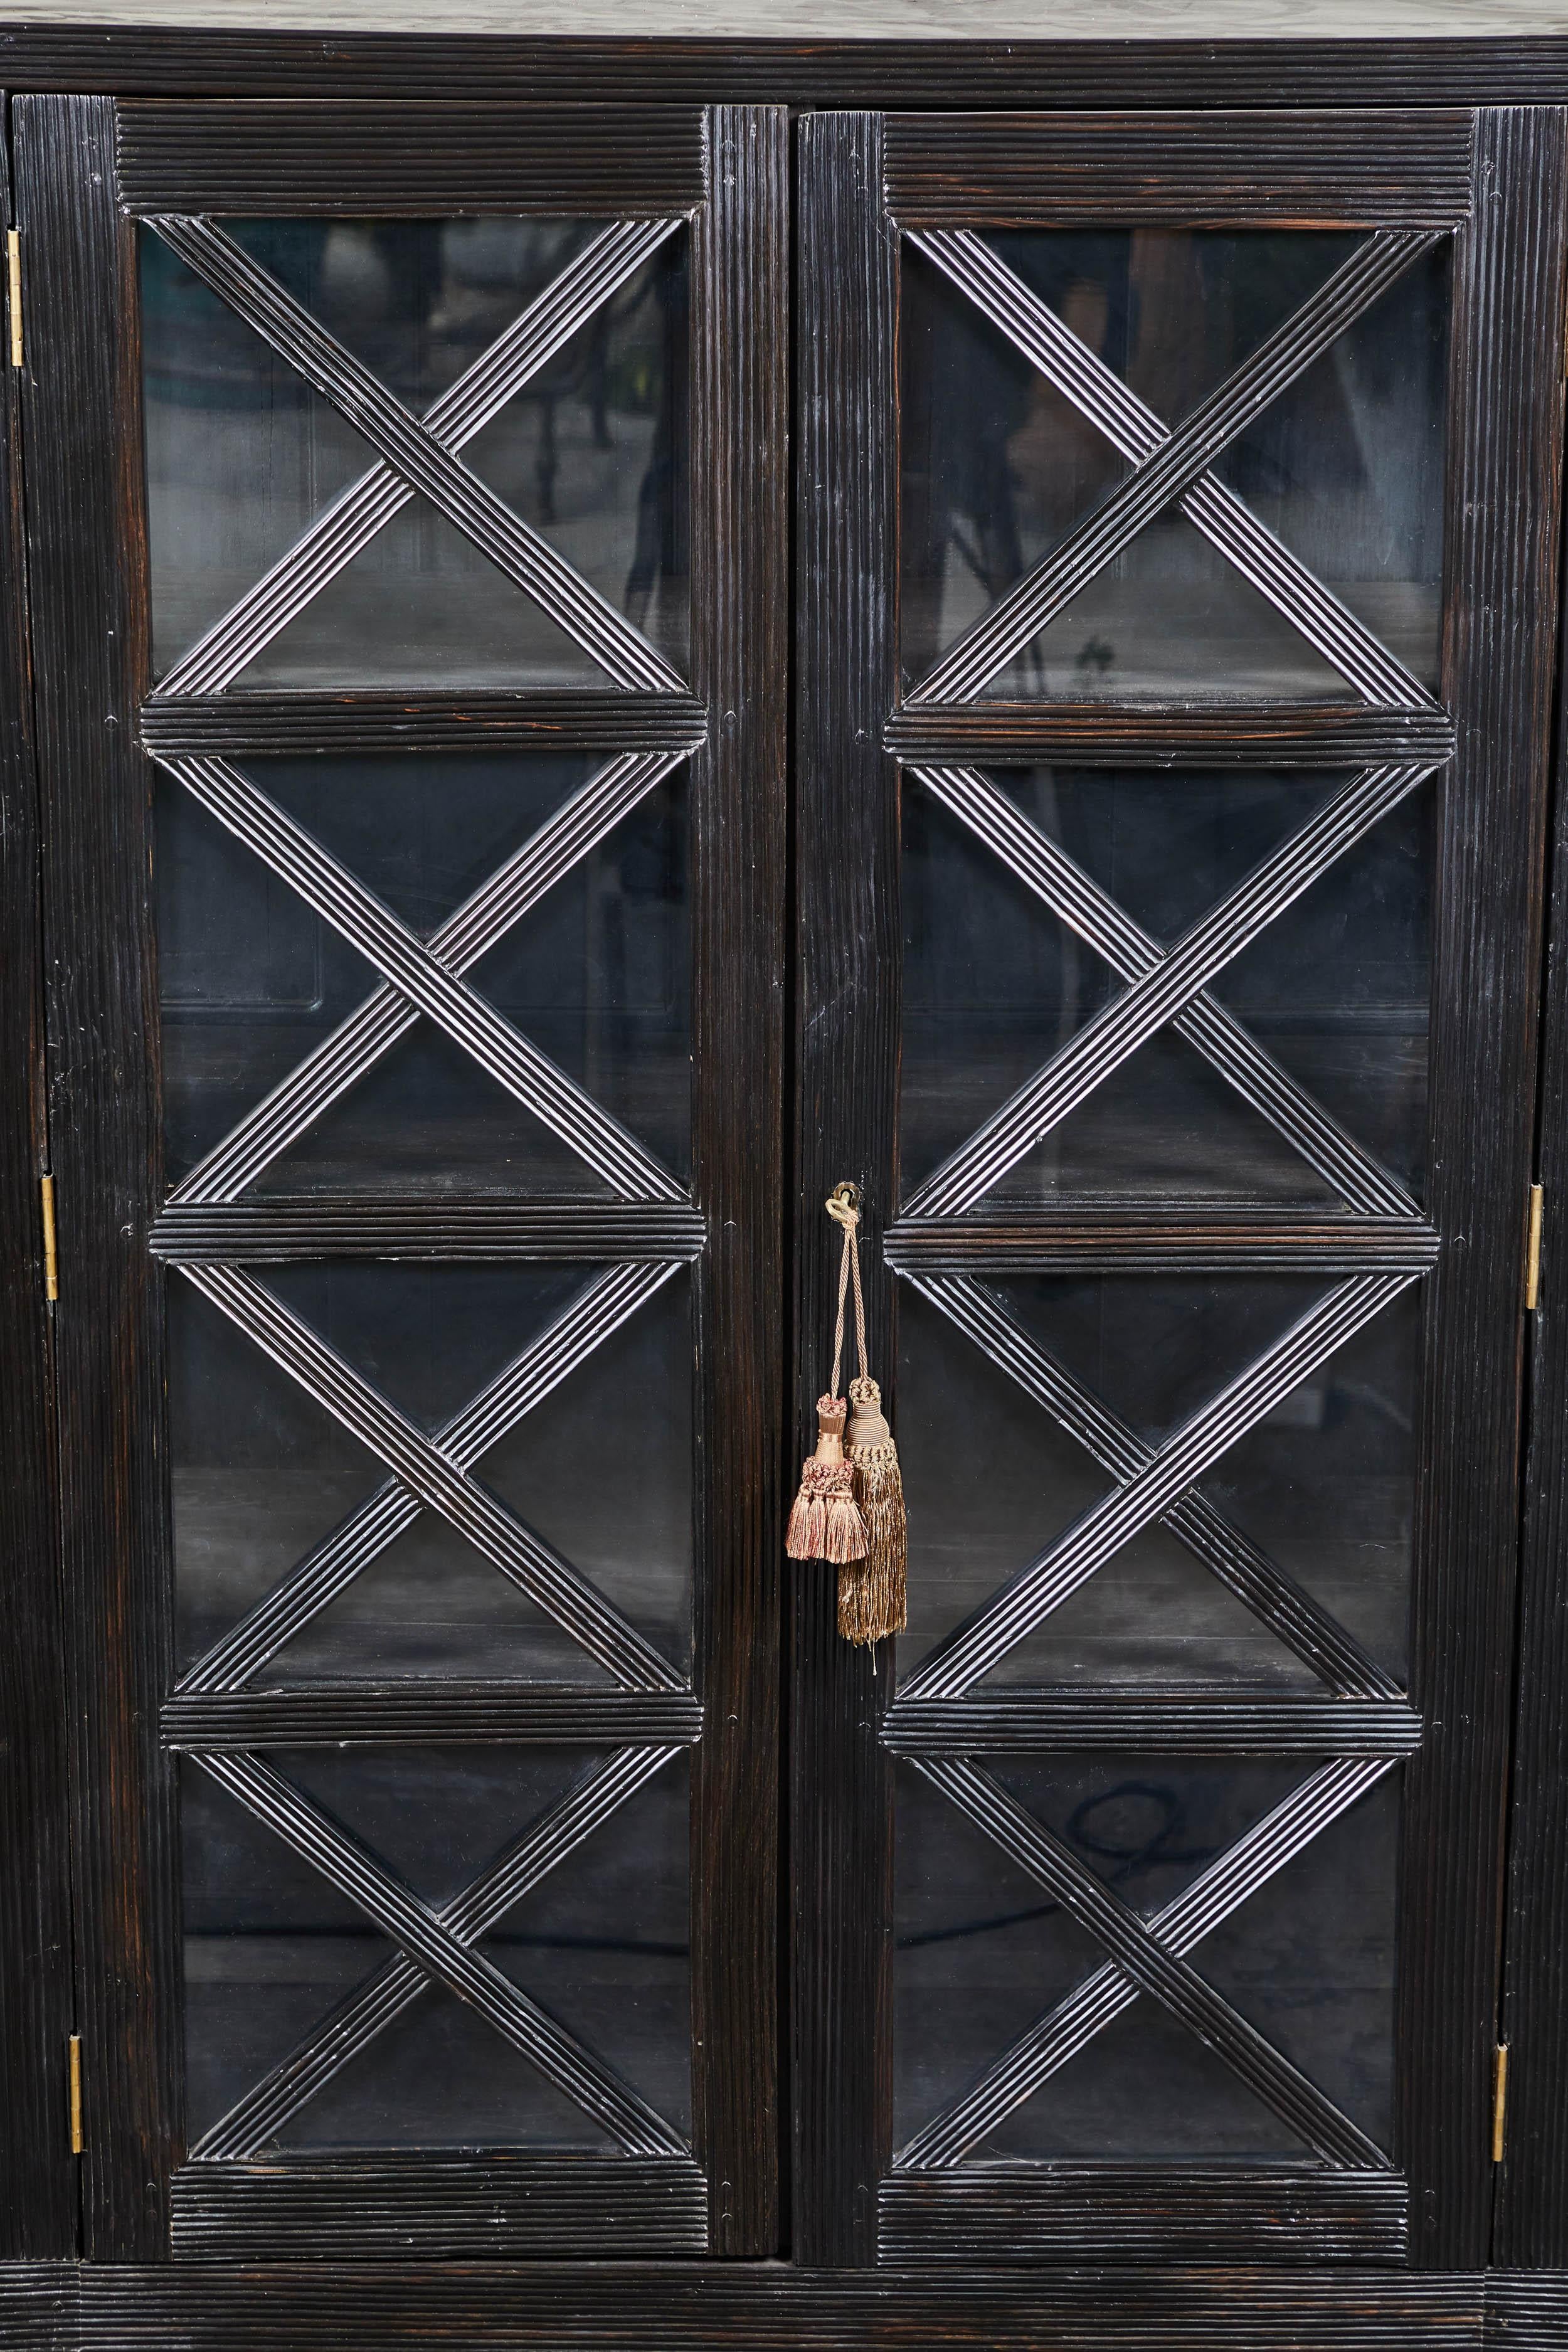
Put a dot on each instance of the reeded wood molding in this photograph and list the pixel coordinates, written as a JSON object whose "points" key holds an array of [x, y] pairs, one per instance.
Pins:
{"points": [[339, 726], [1094, 2213], [38, 2195], [740, 427], [1169, 735], [1409, 169], [319, 155], [381, 1225], [1173, 1723], [1326, 2306], [437, 2208], [1172, 1239], [332, 1715], [1504, 503]]}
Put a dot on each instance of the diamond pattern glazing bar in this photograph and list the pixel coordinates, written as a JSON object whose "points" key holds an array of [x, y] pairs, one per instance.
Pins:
{"points": [[1164, 990], [456, 418], [354, 1047], [1077, 900], [432, 1945], [1133, 428], [440, 1478], [415, 453], [1179, 461], [1009, 1615], [257, 2118], [1149, 1957]]}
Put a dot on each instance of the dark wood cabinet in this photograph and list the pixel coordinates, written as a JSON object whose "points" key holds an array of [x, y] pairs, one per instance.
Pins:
{"points": [[605, 633]]}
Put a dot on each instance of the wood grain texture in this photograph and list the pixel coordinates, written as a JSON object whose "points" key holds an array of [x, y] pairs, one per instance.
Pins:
{"points": [[846, 1029], [346, 1714], [1166, 735], [739, 590], [85, 559], [37, 2177], [120, 52], [1007, 2213], [1152, 1241], [685, 2306], [1369, 169], [241, 157], [1530, 2220], [247, 1233], [1497, 679], [436, 2207], [339, 726]]}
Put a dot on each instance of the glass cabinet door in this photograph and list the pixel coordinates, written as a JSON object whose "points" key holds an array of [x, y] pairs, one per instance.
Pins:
{"points": [[1170, 811], [414, 762]]}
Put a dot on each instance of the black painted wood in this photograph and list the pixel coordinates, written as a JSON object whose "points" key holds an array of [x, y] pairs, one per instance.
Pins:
{"points": [[1152, 1241], [740, 622], [1497, 679], [846, 1046], [242, 1232], [1309, 735], [37, 2176], [683, 2308], [1531, 2219], [1367, 169], [339, 726], [379, 2208], [86, 563], [239, 157], [327, 1714], [560, 68], [1017, 2213]]}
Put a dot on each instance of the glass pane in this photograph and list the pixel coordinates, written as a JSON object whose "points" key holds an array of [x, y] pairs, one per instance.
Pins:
{"points": [[262, 1476], [983, 1952], [595, 973], [601, 1943], [998, 468], [242, 457], [1323, 1487], [1335, 989]]}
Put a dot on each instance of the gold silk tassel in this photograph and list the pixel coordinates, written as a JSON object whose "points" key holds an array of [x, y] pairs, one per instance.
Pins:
{"points": [[851, 1507], [873, 1593]]}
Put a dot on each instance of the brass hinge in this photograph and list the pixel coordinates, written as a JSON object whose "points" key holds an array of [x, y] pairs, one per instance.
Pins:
{"points": [[1500, 2099], [1533, 1250], [51, 1256], [14, 291], [74, 2046]]}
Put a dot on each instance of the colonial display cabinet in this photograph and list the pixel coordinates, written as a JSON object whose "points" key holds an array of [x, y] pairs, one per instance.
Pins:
{"points": [[608, 627]]}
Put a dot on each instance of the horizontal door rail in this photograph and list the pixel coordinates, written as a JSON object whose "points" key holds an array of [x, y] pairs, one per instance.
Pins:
{"points": [[1110, 1721], [370, 1714], [338, 725], [1171, 1239], [321, 155], [1169, 735], [1361, 168], [382, 1226]]}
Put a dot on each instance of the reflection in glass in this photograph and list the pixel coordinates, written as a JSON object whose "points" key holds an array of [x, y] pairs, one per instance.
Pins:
{"points": [[982, 1951], [595, 973], [1335, 989], [601, 1942], [998, 468], [1324, 1484], [242, 455], [262, 1476]]}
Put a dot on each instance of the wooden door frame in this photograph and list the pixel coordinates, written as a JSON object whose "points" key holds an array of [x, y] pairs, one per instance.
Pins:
{"points": [[859, 175], [87, 169]]}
